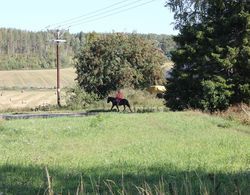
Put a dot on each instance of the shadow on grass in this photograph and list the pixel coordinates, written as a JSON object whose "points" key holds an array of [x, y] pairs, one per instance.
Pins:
{"points": [[135, 110], [107, 180], [107, 111], [100, 110]]}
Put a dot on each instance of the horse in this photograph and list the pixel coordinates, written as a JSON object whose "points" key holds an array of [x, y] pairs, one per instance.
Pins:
{"points": [[122, 102]]}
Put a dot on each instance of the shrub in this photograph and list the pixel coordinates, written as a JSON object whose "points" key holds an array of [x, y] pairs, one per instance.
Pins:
{"points": [[77, 98]]}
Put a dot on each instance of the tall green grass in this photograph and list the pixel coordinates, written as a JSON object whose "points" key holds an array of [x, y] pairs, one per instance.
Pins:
{"points": [[150, 153]]}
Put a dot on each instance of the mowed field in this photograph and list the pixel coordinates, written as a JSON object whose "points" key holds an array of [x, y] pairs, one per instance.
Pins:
{"points": [[18, 99], [31, 88], [36, 78]]}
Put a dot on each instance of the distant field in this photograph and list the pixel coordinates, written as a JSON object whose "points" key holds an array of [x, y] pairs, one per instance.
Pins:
{"points": [[36, 78], [30, 88], [18, 99]]}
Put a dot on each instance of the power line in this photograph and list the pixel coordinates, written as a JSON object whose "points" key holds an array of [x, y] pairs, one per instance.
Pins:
{"points": [[102, 13], [90, 13], [87, 14], [111, 14]]}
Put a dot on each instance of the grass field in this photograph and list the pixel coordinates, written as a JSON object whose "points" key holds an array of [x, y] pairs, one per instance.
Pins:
{"points": [[149, 153]]}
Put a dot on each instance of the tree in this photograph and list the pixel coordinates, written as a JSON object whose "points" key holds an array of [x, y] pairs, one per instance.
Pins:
{"points": [[112, 61], [212, 65]]}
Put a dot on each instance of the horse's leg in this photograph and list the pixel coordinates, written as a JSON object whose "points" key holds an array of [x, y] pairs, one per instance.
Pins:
{"points": [[117, 108], [129, 107], [124, 107], [112, 106]]}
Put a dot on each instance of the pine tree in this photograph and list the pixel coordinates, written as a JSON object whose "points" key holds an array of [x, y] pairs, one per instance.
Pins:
{"points": [[212, 59]]}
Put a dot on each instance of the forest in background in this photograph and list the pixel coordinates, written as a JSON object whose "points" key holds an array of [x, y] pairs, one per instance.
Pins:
{"points": [[21, 49]]}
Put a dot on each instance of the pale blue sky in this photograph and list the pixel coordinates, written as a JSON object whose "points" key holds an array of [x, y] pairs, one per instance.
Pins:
{"points": [[35, 15]]}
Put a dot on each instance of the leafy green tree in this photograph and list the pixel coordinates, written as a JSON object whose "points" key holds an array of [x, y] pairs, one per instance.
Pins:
{"points": [[112, 61], [212, 64]]}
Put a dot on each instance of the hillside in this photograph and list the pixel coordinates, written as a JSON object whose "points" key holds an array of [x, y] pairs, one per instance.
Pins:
{"points": [[28, 79], [34, 50]]}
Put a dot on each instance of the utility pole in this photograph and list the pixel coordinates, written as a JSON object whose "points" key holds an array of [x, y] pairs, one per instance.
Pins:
{"points": [[58, 41]]}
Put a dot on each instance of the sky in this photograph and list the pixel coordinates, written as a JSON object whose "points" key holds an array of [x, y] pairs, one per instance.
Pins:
{"points": [[141, 16]]}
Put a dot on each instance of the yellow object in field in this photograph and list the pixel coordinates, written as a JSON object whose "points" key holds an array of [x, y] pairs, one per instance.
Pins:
{"points": [[156, 89]]}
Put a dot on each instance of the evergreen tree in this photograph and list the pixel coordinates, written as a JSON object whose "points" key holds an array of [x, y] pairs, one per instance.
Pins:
{"points": [[212, 59]]}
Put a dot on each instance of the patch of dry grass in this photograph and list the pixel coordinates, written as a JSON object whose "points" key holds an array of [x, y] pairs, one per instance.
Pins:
{"points": [[240, 112]]}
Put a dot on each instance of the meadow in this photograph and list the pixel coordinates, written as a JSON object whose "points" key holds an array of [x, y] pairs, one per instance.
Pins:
{"points": [[121, 153]]}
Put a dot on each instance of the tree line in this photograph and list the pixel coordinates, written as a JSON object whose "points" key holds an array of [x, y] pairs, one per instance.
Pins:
{"points": [[21, 49]]}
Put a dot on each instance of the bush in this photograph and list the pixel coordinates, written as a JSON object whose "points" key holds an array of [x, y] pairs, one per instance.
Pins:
{"points": [[76, 98]]}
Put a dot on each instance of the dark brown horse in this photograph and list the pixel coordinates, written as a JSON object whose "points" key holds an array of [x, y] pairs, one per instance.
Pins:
{"points": [[122, 102]]}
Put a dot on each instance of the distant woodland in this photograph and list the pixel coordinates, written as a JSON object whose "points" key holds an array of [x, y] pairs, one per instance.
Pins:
{"points": [[35, 50]]}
